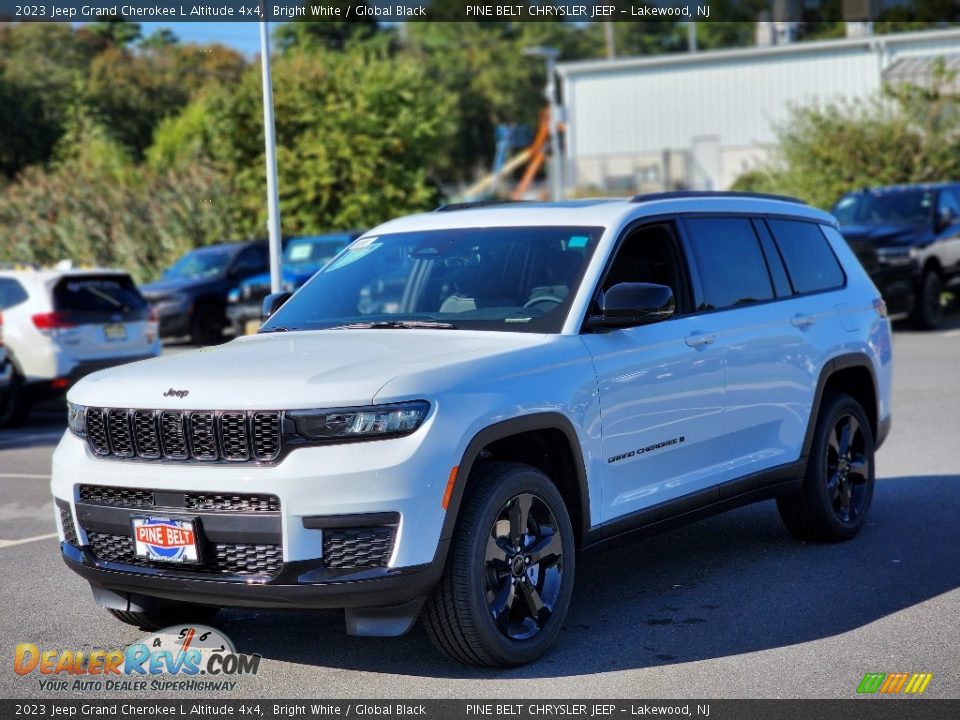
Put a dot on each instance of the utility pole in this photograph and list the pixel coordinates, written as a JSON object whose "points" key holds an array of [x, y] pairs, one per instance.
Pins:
{"points": [[550, 55], [270, 140], [611, 40]]}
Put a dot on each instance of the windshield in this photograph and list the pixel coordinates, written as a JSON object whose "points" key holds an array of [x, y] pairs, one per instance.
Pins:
{"points": [[509, 279], [904, 207], [313, 251], [204, 263]]}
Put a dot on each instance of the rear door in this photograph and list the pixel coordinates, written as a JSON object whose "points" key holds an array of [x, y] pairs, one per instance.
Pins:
{"points": [[100, 315]]}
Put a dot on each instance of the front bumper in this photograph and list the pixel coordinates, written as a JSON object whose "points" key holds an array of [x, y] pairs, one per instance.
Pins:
{"points": [[317, 543], [238, 314]]}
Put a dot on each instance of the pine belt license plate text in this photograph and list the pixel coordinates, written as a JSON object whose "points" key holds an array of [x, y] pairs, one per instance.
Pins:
{"points": [[165, 539], [115, 331]]}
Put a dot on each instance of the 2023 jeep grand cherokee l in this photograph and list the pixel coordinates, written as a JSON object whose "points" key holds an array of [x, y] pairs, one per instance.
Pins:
{"points": [[544, 378]]}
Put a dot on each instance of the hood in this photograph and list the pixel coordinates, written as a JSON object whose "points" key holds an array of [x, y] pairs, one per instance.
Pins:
{"points": [[324, 368], [885, 235], [168, 286]]}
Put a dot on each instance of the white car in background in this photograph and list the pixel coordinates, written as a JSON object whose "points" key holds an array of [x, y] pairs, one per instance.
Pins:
{"points": [[61, 324]]}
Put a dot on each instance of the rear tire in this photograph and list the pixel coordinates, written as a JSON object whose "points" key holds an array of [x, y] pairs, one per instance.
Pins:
{"points": [[928, 309], [164, 617], [14, 405], [495, 606], [832, 504]]}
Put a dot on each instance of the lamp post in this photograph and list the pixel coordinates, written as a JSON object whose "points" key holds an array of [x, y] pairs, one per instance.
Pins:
{"points": [[270, 140], [549, 56]]}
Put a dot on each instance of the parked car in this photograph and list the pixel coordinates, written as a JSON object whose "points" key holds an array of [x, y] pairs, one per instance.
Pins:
{"points": [[6, 367], [59, 325], [553, 377], [191, 296], [302, 257], [908, 239]]}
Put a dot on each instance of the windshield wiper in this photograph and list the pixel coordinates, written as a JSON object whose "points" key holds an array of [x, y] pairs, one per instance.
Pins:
{"points": [[396, 325]]}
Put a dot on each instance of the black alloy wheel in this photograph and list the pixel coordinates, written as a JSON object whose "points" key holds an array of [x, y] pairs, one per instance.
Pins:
{"points": [[848, 468], [832, 502], [524, 567]]}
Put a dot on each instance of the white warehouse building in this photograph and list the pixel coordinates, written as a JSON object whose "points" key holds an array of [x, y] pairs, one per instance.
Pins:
{"points": [[699, 120]]}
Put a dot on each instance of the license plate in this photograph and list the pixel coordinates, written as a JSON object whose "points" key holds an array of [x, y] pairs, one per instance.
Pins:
{"points": [[252, 327], [165, 539], [115, 331]]}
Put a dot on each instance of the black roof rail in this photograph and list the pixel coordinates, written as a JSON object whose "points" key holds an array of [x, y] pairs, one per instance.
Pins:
{"points": [[679, 194], [450, 207]]}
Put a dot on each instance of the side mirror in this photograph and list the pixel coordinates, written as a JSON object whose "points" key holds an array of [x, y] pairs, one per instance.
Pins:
{"points": [[630, 304], [945, 218], [272, 303]]}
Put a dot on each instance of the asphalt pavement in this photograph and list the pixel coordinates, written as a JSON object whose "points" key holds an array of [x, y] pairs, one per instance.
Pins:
{"points": [[731, 607]]}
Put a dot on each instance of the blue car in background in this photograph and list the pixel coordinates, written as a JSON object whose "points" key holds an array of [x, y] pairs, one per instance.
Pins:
{"points": [[302, 258]]}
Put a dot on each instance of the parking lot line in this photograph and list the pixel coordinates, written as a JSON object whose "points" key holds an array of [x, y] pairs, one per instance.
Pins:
{"points": [[22, 541], [25, 475]]}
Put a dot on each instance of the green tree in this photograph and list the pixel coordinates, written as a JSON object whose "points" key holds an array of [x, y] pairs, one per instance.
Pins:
{"points": [[907, 135]]}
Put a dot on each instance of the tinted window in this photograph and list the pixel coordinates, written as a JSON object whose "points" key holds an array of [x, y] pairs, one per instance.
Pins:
{"points": [[731, 266], [948, 201], [885, 207], [204, 263], [648, 255], [252, 259], [811, 263], [11, 293], [97, 294]]}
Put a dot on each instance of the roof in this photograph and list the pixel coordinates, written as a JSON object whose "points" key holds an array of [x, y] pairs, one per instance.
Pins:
{"points": [[568, 69], [905, 187], [48, 273], [598, 212]]}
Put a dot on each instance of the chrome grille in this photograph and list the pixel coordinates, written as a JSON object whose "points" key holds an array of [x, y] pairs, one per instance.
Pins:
{"points": [[203, 438], [358, 547], [145, 432], [266, 435], [97, 432], [145, 498], [117, 496], [173, 436], [227, 558], [234, 437], [118, 428], [69, 529], [203, 435]]}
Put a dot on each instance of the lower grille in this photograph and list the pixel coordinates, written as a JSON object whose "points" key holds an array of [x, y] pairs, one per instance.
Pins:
{"points": [[69, 529], [142, 498], [225, 558], [358, 547]]}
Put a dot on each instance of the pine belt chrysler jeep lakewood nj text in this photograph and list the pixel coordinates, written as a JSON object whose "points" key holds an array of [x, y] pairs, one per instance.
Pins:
{"points": [[460, 401]]}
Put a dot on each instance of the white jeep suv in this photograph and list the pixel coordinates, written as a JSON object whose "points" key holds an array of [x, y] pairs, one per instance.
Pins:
{"points": [[438, 421]]}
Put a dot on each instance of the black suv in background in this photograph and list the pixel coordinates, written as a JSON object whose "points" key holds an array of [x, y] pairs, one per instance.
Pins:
{"points": [[191, 296], [908, 239]]}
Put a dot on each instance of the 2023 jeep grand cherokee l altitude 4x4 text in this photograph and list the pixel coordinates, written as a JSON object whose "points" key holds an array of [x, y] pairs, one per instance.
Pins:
{"points": [[437, 421]]}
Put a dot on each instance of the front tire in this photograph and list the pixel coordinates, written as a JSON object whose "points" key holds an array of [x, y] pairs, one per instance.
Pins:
{"points": [[928, 310], [167, 616], [832, 504], [506, 587]]}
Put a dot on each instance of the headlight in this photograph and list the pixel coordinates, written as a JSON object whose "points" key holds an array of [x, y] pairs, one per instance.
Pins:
{"points": [[364, 423], [234, 295], [77, 419]]}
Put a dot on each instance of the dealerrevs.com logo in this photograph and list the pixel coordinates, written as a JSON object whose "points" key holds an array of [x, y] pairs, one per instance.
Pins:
{"points": [[181, 658]]}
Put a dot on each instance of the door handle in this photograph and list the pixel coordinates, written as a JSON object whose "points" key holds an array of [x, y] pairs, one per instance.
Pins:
{"points": [[802, 321], [699, 339]]}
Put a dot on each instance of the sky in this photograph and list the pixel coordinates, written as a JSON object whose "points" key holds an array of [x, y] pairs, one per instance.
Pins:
{"points": [[243, 36]]}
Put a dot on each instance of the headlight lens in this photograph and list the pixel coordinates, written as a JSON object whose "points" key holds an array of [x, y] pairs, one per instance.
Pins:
{"points": [[77, 419], [364, 423]]}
